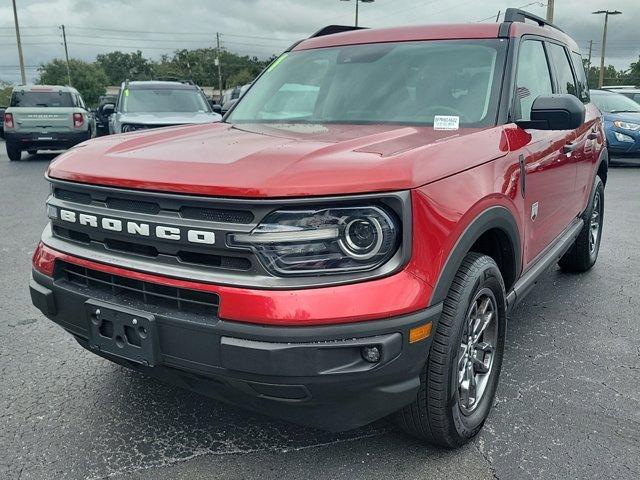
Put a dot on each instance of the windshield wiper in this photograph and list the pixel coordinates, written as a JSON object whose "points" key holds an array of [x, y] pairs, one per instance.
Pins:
{"points": [[624, 111]]}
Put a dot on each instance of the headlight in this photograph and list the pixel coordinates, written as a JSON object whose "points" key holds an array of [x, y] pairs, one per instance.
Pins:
{"points": [[323, 241], [627, 125]]}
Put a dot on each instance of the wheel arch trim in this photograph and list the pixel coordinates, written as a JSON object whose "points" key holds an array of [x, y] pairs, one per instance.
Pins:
{"points": [[496, 217]]}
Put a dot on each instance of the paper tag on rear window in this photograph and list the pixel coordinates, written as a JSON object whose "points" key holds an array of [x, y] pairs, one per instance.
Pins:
{"points": [[446, 122]]}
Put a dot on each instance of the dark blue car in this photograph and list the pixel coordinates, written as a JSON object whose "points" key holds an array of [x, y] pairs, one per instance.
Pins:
{"points": [[621, 122]]}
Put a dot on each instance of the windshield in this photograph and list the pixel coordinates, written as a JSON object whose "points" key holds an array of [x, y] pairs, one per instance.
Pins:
{"points": [[41, 99], [408, 82], [613, 102], [179, 100]]}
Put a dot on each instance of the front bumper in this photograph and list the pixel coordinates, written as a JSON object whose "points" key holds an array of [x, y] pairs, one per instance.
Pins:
{"points": [[46, 141], [312, 375]]}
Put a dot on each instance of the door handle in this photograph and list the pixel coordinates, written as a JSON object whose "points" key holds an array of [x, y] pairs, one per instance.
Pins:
{"points": [[570, 147]]}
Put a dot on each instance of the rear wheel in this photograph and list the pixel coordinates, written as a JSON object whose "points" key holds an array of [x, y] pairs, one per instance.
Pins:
{"points": [[459, 381], [584, 252], [13, 152]]}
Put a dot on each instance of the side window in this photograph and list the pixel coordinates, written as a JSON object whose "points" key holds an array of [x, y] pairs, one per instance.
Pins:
{"points": [[566, 82], [81, 102], [532, 78], [581, 76]]}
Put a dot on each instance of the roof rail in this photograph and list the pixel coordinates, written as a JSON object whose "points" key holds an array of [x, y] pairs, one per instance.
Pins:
{"points": [[516, 15], [331, 29]]}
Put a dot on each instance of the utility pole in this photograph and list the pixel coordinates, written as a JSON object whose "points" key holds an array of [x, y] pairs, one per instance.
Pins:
{"points": [[219, 62], [550, 10], [589, 62], [20, 57], [66, 54], [604, 41], [357, 2]]}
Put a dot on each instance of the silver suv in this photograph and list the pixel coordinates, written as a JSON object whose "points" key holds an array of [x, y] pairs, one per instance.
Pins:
{"points": [[150, 104]]}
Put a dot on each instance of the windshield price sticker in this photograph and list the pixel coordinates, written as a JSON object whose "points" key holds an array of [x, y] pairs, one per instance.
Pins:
{"points": [[446, 122]]}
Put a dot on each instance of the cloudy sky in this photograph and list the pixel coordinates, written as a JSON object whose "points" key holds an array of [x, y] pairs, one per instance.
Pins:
{"points": [[265, 27]]}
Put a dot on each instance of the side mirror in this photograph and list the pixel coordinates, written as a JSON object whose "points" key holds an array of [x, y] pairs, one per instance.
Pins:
{"points": [[556, 112], [108, 109], [216, 108]]}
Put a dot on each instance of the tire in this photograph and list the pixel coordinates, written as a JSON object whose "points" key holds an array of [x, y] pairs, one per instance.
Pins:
{"points": [[584, 252], [441, 414], [13, 152]]}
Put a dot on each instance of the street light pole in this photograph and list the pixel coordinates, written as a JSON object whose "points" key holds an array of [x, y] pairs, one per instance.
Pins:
{"points": [[357, 2], [20, 57], [604, 41], [550, 11]]}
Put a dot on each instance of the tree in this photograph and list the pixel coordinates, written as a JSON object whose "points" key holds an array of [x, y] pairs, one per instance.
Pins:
{"points": [[119, 66], [88, 78], [5, 93], [634, 72], [243, 76]]}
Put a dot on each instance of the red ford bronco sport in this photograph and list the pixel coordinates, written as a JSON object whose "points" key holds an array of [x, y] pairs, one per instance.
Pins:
{"points": [[349, 241]]}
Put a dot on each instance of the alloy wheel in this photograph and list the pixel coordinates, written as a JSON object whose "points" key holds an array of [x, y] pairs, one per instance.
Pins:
{"points": [[477, 350], [594, 223]]}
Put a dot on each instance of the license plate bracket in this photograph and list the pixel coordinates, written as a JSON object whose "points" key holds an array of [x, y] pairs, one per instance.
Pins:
{"points": [[123, 332]]}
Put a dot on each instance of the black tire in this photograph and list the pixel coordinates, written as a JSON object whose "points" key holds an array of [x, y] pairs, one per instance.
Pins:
{"points": [[437, 415], [13, 152], [584, 252]]}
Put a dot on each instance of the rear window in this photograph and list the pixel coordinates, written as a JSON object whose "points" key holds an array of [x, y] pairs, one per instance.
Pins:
{"points": [[41, 99]]}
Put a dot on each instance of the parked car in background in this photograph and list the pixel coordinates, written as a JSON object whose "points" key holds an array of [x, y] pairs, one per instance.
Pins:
{"points": [[151, 104], [233, 94], [102, 119], [632, 92], [621, 123], [46, 117], [2, 109]]}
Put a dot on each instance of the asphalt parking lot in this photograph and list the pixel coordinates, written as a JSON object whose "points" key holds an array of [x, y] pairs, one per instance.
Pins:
{"points": [[568, 405]]}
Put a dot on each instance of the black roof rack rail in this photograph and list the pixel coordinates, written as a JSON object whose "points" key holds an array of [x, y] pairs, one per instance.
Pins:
{"points": [[331, 29], [516, 15]]}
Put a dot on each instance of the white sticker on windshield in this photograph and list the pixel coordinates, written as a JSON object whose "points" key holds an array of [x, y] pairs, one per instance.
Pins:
{"points": [[446, 122]]}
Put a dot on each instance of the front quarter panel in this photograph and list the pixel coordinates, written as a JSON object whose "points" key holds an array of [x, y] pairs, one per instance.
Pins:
{"points": [[444, 211]]}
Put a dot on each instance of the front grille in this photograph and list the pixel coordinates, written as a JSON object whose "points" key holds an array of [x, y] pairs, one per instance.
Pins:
{"points": [[71, 196], [147, 296], [122, 203], [185, 256]]}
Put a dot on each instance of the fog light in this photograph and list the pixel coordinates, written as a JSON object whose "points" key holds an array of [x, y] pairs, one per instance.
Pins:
{"points": [[371, 354], [621, 137]]}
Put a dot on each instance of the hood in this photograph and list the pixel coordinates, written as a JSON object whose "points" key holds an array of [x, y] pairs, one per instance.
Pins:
{"points": [[288, 160], [169, 118], [633, 117]]}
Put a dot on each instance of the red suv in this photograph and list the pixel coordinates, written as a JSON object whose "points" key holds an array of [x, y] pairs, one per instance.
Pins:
{"points": [[349, 241]]}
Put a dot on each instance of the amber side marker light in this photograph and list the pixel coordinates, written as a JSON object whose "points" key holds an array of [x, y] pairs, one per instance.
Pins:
{"points": [[420, 333]]}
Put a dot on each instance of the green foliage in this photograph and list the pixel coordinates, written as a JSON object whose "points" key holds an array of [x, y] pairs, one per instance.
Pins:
{"points": [[119, 66], [5, 93], [88, 78], [243, 76]]}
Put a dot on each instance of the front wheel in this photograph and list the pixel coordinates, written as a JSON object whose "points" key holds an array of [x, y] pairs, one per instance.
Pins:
{"points": [[13, 152], [459, 380], [584, 252]]}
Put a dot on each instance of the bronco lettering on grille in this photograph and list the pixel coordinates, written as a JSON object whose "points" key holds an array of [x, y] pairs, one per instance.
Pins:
{"points": [[163, 232]]}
